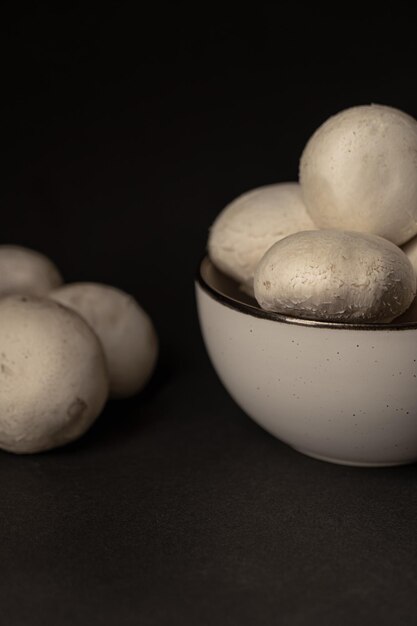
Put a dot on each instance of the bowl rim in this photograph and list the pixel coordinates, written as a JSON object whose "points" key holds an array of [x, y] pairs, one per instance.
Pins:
{"points": [[256, 311]]}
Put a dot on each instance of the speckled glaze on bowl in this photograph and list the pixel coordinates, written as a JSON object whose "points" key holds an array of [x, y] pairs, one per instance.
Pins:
{"points": [[340, 393]]}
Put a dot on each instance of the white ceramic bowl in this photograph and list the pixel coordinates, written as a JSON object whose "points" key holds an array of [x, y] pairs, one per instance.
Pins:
{"points": [[345, 393]]}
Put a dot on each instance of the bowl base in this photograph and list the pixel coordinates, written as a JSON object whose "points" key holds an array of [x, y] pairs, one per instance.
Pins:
{"points": [[329, 459]]}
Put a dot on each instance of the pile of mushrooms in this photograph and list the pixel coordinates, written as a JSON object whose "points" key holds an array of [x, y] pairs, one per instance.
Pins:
{"points": [[340, 245], [63, 350]]}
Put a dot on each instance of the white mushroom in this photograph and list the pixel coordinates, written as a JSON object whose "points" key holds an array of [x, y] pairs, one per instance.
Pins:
{"points": [[359, 172], [248, 226], [25, 271], [335, 276], [53, 375], [126, 332]]}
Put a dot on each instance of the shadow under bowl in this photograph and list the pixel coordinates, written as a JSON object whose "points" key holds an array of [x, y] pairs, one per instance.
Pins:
{"points": [[344, 393]]}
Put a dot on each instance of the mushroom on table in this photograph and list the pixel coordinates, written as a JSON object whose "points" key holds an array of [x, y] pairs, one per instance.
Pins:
{"points": [[54, 380]]}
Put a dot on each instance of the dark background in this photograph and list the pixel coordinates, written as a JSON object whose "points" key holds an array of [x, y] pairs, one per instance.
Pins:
{"points": [[123, 134]]}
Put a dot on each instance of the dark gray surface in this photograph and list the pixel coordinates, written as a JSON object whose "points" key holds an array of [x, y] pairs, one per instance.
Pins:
{"points": [[121, 140]]}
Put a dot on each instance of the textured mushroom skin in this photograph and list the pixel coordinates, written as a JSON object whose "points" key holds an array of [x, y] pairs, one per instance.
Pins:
{"points": [[335, 275], [126, 332], [53, 375], [26, 271], [358, 172], [248, 226]]}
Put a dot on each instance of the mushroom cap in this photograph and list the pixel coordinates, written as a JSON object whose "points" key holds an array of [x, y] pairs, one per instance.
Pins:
{"points": [[359, 172], [248, 226], [53, 374], [335, 275], [126, 332], [26, 271]]}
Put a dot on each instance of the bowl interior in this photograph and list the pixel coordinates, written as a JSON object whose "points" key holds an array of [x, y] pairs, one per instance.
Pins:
{"points": [[224, 285]]}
